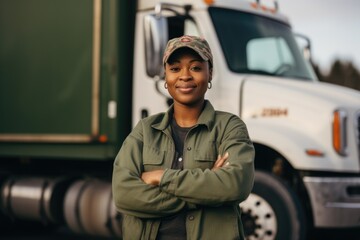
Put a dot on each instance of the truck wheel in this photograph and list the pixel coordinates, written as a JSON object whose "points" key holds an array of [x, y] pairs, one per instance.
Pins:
{"points": [[272, 211]]}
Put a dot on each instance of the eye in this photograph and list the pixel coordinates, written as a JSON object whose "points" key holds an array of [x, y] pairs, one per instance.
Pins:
{"points": [[196, 68], [174, 69]]}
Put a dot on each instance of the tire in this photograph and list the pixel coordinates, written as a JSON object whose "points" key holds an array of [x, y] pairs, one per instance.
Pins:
{"points": [[272, 211]]}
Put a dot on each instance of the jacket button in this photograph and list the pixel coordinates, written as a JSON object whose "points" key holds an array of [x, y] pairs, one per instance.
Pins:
{"points": [[191, 217], [189, 148]]}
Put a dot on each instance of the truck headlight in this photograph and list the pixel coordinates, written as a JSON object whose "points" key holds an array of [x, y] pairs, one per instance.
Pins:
{"points": [[339, 131]]}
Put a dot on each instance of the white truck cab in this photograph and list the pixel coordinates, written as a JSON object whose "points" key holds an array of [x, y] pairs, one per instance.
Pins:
{"points": [[306, 133]]}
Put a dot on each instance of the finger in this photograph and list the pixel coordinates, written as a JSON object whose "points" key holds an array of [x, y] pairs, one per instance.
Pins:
{"points": [[223, 159], [218, 161]]}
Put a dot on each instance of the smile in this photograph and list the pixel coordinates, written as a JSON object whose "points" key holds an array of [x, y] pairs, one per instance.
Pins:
{"points": [[185, 89]]}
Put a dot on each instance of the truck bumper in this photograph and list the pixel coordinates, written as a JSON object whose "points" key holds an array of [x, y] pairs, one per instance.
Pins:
{"points": [[335, 201]]}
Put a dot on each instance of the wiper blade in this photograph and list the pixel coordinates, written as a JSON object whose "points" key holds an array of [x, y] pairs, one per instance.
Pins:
{"points": [[261, 72]]}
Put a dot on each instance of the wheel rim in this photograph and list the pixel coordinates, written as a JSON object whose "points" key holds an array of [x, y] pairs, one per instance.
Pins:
{"points": [[258, 218]]}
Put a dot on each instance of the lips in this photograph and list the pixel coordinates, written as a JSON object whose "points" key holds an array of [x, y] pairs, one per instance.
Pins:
{"points": [[186, 88]]}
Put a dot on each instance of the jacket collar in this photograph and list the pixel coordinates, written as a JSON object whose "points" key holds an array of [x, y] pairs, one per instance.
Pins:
{"points": [[206, 117]]}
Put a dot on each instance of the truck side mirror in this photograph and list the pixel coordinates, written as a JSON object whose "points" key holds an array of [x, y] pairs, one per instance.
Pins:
{"points": [[304, 45], [156, 37]]}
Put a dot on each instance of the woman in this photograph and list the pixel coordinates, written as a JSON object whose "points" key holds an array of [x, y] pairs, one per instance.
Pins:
{"points": [[182, 174]]}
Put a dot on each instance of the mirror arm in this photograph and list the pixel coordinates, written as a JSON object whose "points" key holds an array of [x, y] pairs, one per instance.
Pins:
{"points": [[170, 7], [308, 41], [308, 44]]}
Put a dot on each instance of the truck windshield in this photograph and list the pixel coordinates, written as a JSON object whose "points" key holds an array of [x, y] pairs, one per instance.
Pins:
{"points": [[259, 45]]}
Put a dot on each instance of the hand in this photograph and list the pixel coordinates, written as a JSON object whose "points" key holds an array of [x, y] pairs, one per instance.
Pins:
{"points": [[152, 177], [220, 161]]}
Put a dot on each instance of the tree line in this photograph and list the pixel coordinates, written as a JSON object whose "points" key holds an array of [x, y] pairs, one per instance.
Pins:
{"points": [[342, 73]]}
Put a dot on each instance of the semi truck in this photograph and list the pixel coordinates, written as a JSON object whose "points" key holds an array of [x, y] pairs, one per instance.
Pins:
{"points": [[76, 76]]}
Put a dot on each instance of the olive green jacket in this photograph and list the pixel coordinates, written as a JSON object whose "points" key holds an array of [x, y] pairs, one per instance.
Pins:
{"points": [[211, 197]]}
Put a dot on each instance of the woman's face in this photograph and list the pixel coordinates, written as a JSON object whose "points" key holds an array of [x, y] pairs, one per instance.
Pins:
{"points": [[187, 76]]}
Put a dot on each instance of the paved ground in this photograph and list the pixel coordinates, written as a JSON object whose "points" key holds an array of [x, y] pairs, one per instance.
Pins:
{"points": [[63, 233], [39, 233]]}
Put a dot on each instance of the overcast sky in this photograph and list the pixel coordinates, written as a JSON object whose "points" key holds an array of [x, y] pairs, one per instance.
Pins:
{"points": [[332, 25]]}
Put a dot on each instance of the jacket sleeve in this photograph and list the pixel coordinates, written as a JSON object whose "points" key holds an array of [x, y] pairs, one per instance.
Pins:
{"points": [[131, 195], [230, 183]]}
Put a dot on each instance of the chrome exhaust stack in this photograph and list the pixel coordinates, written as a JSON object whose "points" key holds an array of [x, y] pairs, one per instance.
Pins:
{"points": [[36, 199], [89, 209]]}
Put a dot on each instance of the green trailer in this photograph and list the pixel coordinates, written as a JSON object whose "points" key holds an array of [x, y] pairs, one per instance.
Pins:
{"points": [[65, 108], [65, 78]]}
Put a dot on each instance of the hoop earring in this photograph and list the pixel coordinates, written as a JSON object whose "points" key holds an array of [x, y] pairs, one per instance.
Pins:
{"points": [[210, 85], [165, 85]]}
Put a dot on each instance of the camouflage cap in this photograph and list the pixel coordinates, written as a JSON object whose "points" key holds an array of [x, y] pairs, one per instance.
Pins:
{"points": [[199, 45]]}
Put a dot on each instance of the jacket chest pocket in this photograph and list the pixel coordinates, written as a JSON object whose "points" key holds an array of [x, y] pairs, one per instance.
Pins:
{"points": [[153, 159], [205, 155]]}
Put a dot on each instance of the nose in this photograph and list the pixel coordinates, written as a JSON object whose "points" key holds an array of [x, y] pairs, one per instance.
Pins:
{"points": [[185, 75]]}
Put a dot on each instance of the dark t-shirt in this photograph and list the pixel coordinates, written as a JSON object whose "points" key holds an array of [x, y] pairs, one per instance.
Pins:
{"points": [[174, 227]]}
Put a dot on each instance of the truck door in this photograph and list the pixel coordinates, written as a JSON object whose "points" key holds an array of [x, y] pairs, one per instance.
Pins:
{"points": [[150, 76]]}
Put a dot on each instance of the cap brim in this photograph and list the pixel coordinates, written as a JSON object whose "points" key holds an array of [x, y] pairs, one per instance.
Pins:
{"points": [[186, 46]]}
